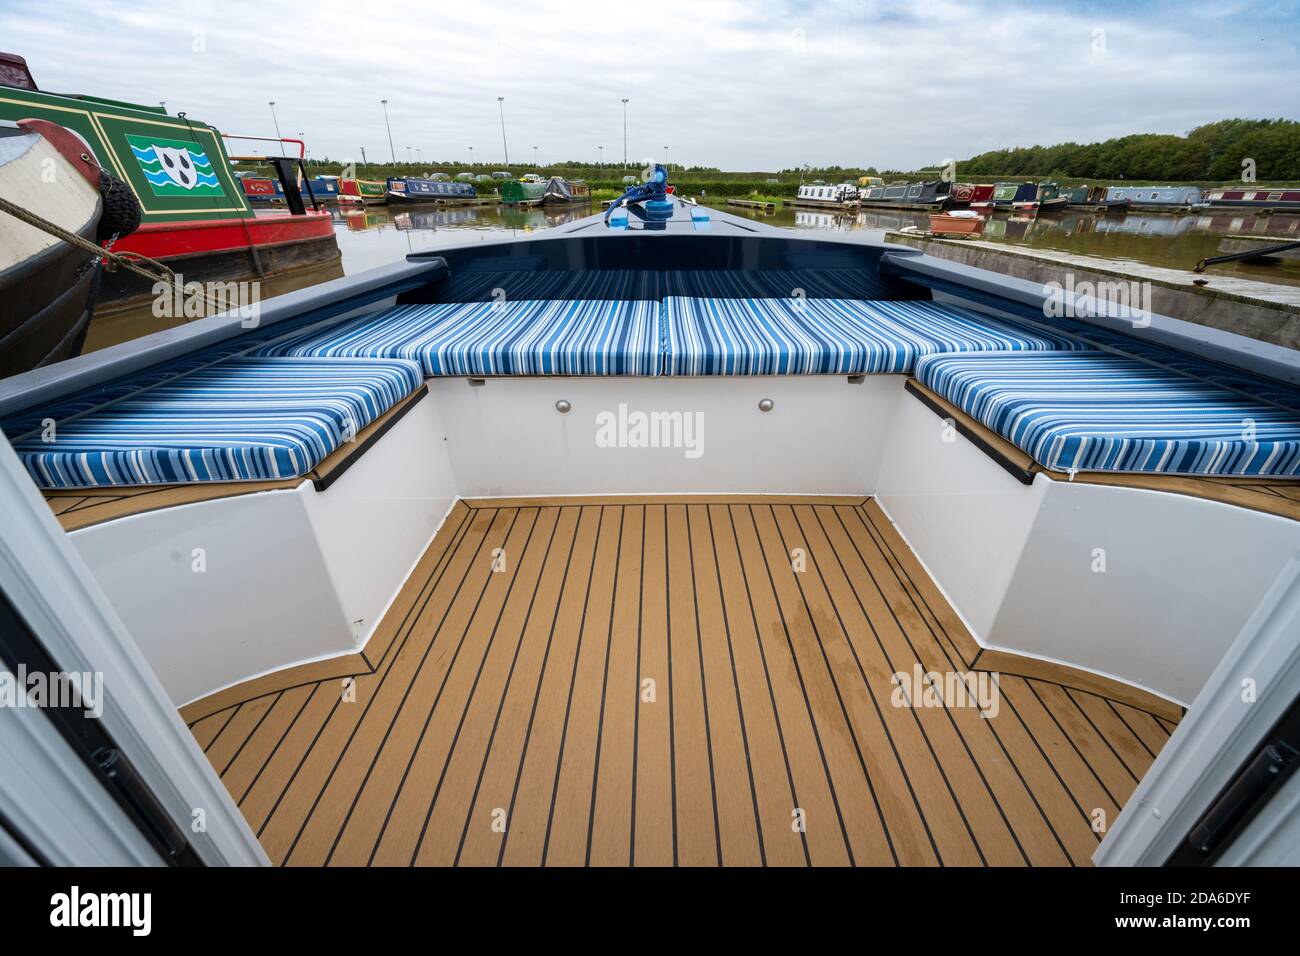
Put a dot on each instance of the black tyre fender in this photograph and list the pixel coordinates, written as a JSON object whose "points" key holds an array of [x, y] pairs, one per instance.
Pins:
{"points": [[121, 209]]}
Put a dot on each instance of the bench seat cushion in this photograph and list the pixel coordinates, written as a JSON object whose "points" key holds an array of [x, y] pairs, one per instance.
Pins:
{"points": [[792, 336], [242, 419], [1096, 411], [538, 337]]}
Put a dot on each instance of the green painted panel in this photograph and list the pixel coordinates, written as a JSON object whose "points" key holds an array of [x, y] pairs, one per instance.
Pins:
{"points": [[123, 137]]}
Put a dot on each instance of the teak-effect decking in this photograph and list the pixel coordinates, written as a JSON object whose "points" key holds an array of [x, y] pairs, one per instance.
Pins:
{"points": [[653, 682]]}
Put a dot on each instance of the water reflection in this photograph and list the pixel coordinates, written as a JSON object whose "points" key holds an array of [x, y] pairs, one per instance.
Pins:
{"points": [[1175, 242], [377, 235]]}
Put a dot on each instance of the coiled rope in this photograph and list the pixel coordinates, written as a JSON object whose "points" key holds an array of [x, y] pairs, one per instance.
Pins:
{"points": [[655, 188]]}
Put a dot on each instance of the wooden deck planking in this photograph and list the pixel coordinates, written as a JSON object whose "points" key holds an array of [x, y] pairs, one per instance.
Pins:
{"points": [[505, 716]]}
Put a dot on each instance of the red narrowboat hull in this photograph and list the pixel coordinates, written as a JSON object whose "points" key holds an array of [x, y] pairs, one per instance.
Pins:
{"points": [[221, 250]]}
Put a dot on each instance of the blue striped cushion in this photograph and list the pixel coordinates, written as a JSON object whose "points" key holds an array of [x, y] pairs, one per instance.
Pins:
{"points": [[1256, 386], [789, 336], [239, 420], [1095, 411], [560, 337]]}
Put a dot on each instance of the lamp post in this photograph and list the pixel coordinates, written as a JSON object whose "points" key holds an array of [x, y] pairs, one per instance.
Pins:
{"points": [[600, 156], [363, 156], [273, 118], [501, 105], [392, 152], [665, 157], [625, 133], [418, 158], [534, 155], [471, 155], [408, 155]]}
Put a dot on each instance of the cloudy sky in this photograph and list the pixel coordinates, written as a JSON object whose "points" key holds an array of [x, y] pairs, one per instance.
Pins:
{"points": [[753, 85]]}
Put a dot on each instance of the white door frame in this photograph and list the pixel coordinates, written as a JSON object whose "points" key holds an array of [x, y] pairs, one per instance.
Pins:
{"points": [[1221, 730], [47, 583]]}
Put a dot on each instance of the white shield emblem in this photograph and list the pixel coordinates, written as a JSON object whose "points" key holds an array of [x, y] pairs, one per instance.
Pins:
{"points": [[178, 166]]}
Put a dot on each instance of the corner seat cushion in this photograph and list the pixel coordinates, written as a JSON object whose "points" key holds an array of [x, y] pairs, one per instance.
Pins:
{"points": [[238, 420], [1096, 411], [526, 337], [794, 336]]}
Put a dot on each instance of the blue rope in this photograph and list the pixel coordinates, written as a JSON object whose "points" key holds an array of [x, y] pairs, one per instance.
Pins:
{"points": [[655, 188]]}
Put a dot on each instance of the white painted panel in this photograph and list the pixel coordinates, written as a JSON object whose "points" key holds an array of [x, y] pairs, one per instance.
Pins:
{"points": [[966, 518], [378, 518], [1182, 576], [824, 435], [265, 600]]}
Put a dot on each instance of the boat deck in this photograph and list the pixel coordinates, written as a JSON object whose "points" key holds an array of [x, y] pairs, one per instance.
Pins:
{"points": [[659, 681]]}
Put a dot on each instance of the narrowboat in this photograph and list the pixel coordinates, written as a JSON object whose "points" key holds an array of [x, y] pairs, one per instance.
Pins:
{"points": [[632, 542], [559, 191], [325, 188], [1281, 200], [1156, 198], [1050, 198], [259, 189], [821, 195], [970, 194], [403, 190], [196, 218], [1019, 196], [263, 189], [362, 192], [1093, 199], [521, 192], [927, 195]]}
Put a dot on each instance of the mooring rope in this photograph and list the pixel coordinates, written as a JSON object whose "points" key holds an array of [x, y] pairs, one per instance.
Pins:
{"points": [[130, 261]]}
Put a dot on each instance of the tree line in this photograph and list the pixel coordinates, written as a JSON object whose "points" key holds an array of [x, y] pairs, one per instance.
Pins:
{"points": [[1215, 152]]}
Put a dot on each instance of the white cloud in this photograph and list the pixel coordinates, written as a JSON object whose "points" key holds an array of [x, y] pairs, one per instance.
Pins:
{"points": [[742, 86]]}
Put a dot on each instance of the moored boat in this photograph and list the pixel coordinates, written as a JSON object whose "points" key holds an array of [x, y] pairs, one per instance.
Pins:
{"points": [[976, 195], [259, 189], [522, 192], [402, 190], [931, 194], [1050, 198], [1282, 200], [362, 192], [961, 222], [1156, 198], [196, 217], [1019, 196], [824, 196], [560, 191], [1093, 199]]}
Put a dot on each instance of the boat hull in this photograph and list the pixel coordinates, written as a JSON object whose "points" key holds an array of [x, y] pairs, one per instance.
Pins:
{"points": [[944, 225], [47, 286], [204, 251], [48, 304]]}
